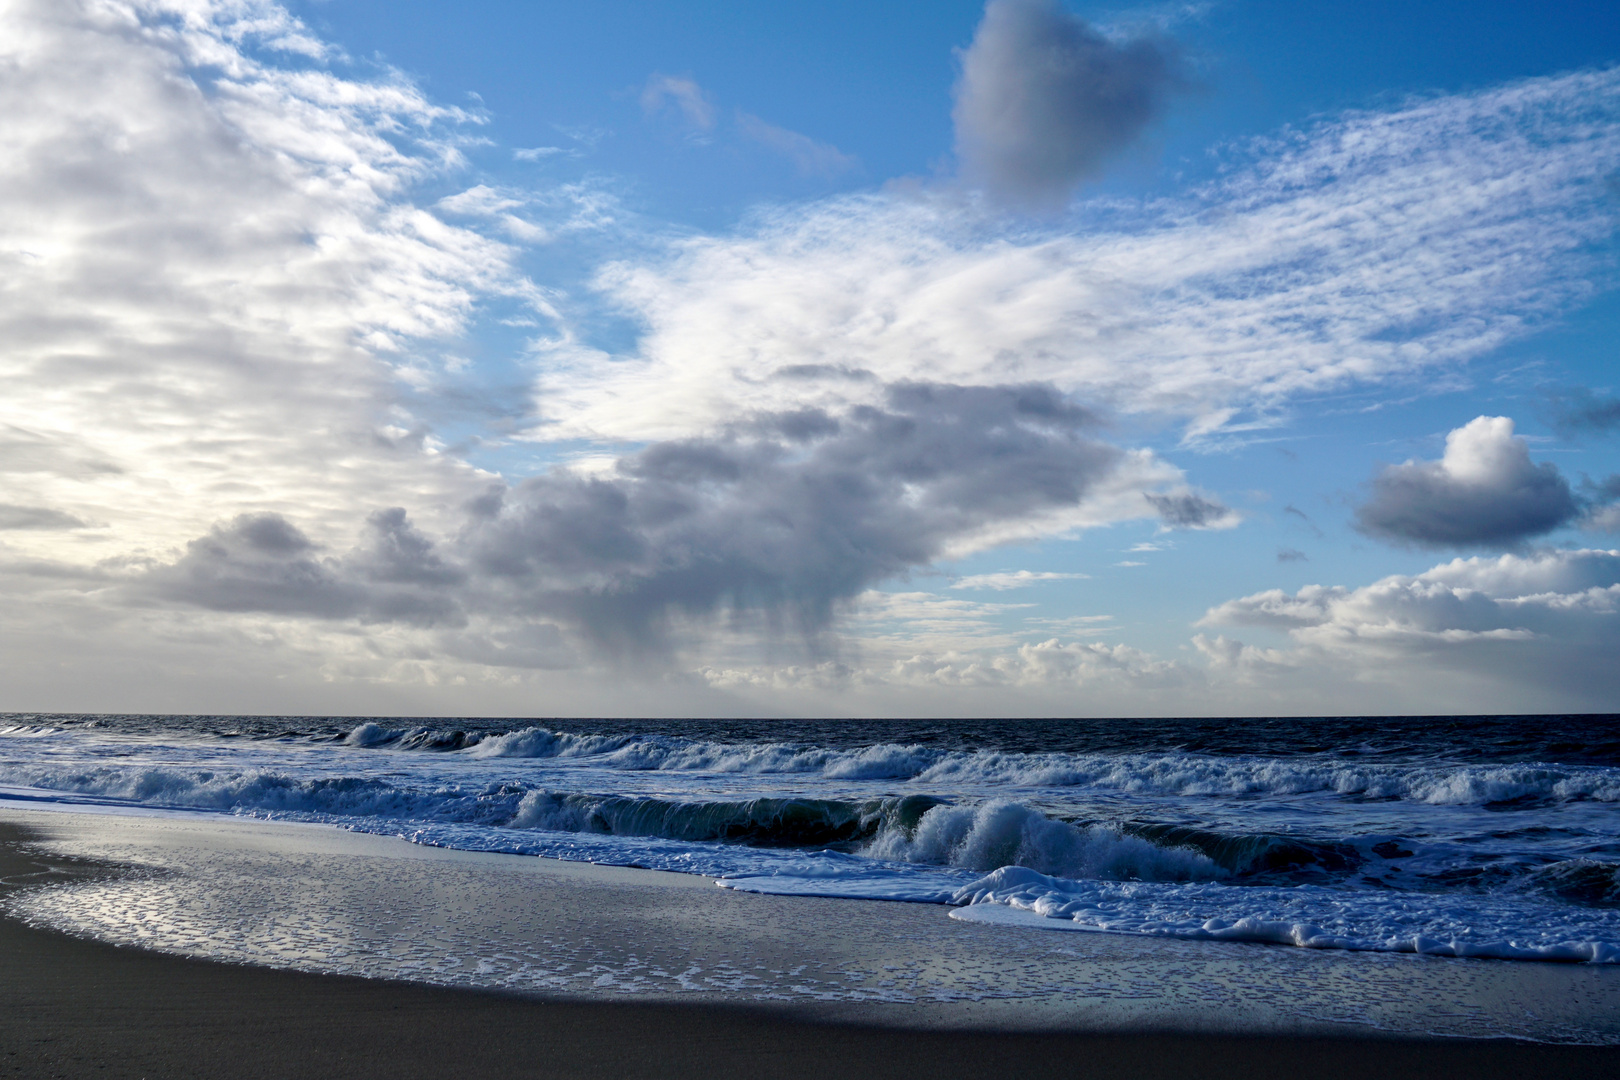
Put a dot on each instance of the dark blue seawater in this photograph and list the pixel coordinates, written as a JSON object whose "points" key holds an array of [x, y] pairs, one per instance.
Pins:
{"points": [[1555, 739]]}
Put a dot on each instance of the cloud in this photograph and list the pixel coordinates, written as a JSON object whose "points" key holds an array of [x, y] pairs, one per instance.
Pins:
{"points": [[1044, 101], [1189, 510], [1016, 579], [809, 157], [13, 516], [1581, 412], [1603, 519], [1281, 279], [483, 201], [540, 153], [696, 110], [263, 563], [1047, 664], [1546, 624], [781, 520], [1288, 554], [1305, 519], [219, 284], [1484, 490], [682, 94], [919, 619], [787, 518], [234, 295]]}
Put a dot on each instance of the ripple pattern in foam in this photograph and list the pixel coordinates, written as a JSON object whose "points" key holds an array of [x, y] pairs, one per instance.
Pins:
{"points": [[1304, 916]]}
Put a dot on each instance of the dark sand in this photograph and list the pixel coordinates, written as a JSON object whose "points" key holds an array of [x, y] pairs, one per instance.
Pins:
{"points": [[73, 1008]]}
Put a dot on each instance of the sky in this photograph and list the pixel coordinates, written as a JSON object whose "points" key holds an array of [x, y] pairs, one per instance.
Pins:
{"points": [[849, 359]]}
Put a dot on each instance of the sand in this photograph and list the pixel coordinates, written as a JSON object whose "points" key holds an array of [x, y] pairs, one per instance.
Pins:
{"points": [[76, 1007]]}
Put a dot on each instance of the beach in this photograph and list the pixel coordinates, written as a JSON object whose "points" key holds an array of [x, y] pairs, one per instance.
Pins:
{"points": [[76, 1006]]}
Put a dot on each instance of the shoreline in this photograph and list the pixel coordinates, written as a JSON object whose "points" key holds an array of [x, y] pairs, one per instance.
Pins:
{"points": [[71, 1005]]}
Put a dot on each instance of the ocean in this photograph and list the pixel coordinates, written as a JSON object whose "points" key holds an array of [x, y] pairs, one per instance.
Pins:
{"points": [[1448, 836]]}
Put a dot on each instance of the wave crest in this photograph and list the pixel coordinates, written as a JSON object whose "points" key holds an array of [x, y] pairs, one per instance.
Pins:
{"points": [[1171, 773]]}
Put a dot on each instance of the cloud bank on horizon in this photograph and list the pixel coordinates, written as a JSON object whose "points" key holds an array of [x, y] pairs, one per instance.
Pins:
{"points": [[250, 432]]}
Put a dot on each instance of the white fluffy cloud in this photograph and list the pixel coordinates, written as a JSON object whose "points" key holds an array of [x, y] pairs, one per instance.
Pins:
{"points": [[1545, 624], [1485, 490]]}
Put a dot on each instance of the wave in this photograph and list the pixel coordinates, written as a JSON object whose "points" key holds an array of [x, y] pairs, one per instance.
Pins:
{"points": [[1587, 882], [1167, 774], [654, 753], [29, 731], [999, 832], [916, 829], [763, 822], [1304, 916]]}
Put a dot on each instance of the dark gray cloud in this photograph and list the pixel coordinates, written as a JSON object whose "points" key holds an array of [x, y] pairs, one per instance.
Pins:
{"points": [[1189, 511], [824, 371], [780, 518], [1288, 554], [1044, 100], [1305, 518], [262, 562], [1603, 504], [13, 516], [1484, 491], [769, 524], [1581, 412]]}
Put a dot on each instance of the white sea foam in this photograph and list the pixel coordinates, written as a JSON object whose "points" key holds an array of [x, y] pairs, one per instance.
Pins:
{"points": [[29, 731], [999, 832], [1307, 916], [1171, 773]]}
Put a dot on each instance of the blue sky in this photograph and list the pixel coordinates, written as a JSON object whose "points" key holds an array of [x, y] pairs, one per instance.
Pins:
{"points": [[835, 359]]}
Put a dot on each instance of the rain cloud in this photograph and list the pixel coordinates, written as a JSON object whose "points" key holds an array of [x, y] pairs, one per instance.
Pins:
{"points": [[784, 517]]}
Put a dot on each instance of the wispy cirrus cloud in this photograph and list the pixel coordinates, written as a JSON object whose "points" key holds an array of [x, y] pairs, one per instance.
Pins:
{"points": [[681, 97], [220, 274], [1285, 277], [809, 157], [693, 108]]}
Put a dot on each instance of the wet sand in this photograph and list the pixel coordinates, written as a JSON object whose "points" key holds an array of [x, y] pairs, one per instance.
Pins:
{"points": [[75, 1007]]}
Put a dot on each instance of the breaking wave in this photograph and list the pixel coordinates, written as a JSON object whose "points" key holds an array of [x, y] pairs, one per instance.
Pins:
{"points": [[1172, 773]]}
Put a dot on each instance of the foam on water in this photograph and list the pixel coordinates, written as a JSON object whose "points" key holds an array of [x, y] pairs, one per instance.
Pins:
{"points": [[1307, 916], [1166, 773], [1320, 846]]}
